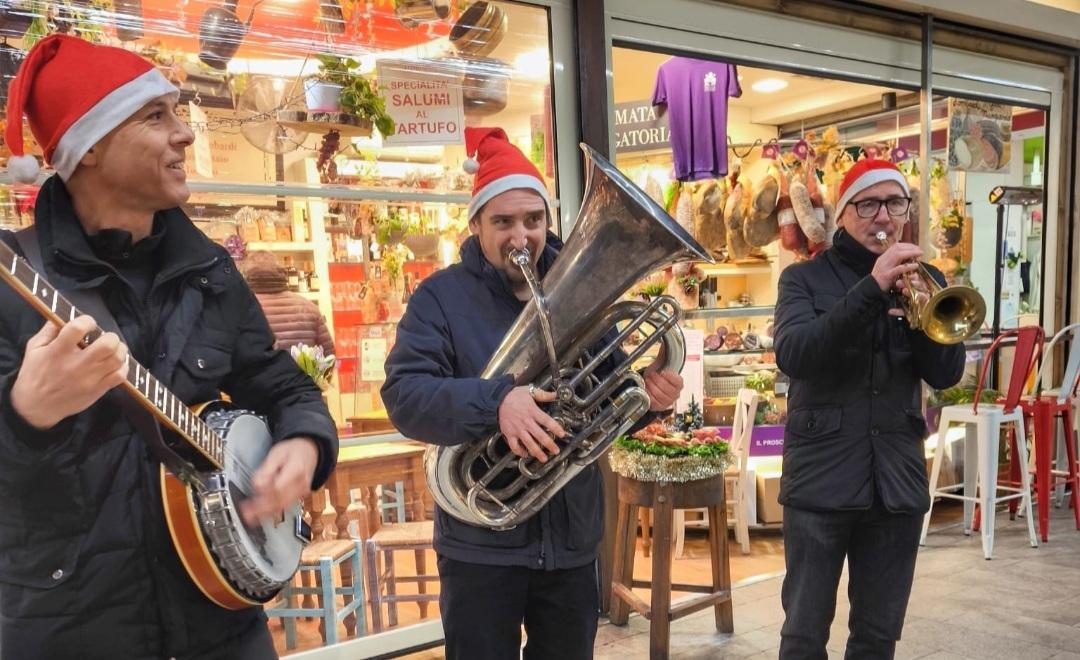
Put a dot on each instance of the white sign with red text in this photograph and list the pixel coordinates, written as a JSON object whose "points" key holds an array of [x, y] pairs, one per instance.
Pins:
{"points": [[693, 371], [426, 107]]}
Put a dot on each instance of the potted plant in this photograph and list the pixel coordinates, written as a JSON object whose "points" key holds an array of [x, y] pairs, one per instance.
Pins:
{"points": [[339, 87], [650, 290], [687, 289], [392, 228], [950, 229], [314, 363], [957, 394], [392, 261]]}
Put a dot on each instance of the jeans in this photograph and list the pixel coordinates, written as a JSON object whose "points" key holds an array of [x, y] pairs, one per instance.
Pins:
{"points": [[880, 548], [483, 608]]}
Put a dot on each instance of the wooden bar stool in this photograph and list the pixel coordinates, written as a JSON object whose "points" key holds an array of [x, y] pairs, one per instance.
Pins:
{"points": [[663, 498]]}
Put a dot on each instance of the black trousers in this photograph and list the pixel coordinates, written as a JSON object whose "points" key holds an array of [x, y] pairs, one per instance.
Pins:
{"points": [[483, 608], [253, 643], [880, 548]]}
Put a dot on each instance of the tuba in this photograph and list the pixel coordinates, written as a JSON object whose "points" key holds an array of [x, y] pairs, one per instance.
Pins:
{"points": [[620, 236], [950, 314]]}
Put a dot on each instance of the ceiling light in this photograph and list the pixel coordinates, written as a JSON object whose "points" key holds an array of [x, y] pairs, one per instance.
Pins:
{"points": [[533, 64], [769, 85]]}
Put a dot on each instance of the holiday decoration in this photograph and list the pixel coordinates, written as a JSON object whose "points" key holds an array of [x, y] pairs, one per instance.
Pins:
{"points": [[654, 454], [690, 419]]}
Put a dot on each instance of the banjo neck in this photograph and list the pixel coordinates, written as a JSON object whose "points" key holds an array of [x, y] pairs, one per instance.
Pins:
{"points": [[147, 390]]}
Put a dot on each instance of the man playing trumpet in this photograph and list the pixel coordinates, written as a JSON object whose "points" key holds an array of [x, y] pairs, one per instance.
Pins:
{"points": [[854, 485]]}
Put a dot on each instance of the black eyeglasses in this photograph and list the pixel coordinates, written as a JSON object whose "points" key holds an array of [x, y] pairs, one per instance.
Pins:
{"points": [[894, 206]]}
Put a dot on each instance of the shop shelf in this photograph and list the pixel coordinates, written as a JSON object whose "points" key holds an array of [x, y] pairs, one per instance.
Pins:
{"points": [[281, 246], [735, 270], [755, 351], [345, 193], [313, 296], [321, 122], [728, 312]]}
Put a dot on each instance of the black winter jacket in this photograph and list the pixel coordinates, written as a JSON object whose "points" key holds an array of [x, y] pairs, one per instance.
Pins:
{"points": [[87, 570], [454, 322], [855, 423]]}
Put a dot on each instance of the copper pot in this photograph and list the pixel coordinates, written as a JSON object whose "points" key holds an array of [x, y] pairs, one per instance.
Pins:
{"points": [[413, 12], [129, 19], [479, 29], [485, 87], [221, 32]]}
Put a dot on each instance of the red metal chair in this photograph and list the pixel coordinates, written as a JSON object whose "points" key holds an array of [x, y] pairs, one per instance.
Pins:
{"points": [[1041, 408]]}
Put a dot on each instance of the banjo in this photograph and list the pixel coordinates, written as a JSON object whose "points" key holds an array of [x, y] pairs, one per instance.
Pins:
{"points": [[234, 565]]}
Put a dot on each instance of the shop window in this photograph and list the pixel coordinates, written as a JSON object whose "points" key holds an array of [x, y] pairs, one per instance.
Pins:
{"points": [[352, 194], [718, 145]]}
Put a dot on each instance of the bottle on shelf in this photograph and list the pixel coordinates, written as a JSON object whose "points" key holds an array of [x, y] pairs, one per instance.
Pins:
{"points": [[313, 278], [283, 230], [302, 280], [292, 276], [304, 228]]}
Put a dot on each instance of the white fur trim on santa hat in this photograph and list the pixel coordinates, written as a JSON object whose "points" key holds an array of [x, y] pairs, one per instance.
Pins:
{"points": [[108, 113], [23, 169], [501, 185], [871, 178]]}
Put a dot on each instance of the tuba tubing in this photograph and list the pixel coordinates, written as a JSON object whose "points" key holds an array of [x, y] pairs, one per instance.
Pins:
{"points": [[479, 481]]}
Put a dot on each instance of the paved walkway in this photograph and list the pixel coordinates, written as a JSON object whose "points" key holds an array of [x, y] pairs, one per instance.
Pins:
{"points": [[1022, 605]]}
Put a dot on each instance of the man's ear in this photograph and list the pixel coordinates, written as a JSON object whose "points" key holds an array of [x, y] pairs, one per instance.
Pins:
{"points": [[90, 158], [474, 224]]}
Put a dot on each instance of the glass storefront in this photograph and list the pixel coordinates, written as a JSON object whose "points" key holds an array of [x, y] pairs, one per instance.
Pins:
{"points": [[329, 139], [358, 215], [807, 110]]}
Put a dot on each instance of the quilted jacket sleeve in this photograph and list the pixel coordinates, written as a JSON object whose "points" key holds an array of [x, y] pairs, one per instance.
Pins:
{"points": [[423, 397]]}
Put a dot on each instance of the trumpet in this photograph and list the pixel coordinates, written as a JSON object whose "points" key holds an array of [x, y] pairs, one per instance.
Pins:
{"points": [[948, 315]]}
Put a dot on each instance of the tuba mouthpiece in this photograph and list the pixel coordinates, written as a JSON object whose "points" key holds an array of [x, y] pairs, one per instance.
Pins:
{"points": [[520, 257]]}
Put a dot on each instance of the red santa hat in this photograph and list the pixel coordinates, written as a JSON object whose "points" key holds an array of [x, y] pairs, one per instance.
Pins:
{"points": [[866, 173], [499, 166], [74, 93]]}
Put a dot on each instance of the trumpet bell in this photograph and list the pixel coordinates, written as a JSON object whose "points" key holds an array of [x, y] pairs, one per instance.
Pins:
{"points": [[953, 314]]}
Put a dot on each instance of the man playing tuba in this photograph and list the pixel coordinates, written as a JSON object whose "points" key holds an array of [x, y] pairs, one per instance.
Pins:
{"points": [[541, 573]]}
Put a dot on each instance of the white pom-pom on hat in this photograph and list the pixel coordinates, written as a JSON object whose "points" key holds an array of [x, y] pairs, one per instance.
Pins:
{"points": [[471, 166], [23, 169]]}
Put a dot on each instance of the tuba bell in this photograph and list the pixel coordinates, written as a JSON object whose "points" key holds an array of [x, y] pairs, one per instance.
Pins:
{"points": [[950, 314], [620, 236]]}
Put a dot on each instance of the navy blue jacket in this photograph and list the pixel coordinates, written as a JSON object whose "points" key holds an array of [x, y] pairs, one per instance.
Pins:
{"points": [[454, 322], [86, 566]]}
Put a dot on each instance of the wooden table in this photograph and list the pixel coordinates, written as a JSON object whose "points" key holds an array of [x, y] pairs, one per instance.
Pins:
{"points": [[363, 468], [370, 422]]}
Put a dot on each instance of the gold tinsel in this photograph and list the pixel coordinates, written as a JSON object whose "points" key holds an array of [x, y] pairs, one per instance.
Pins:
{"points": [[675, 469]]}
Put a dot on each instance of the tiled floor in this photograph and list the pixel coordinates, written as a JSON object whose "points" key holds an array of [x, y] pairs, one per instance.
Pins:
{"points": [[1025, 603], [1022, 605]]}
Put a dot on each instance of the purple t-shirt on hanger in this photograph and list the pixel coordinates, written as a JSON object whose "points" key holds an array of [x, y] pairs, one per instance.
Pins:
{"points": [[696, 94]]}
